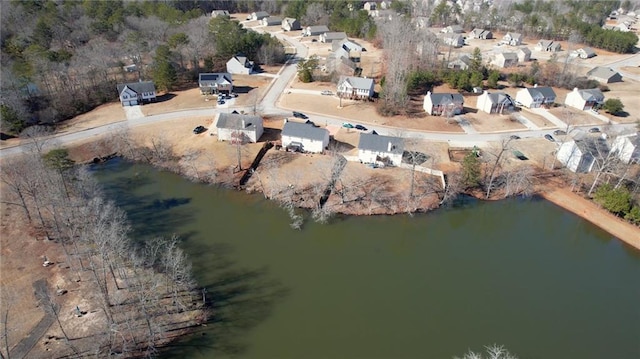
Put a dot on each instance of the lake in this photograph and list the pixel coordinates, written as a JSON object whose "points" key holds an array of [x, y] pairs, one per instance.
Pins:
{"points": [[522, 273]]}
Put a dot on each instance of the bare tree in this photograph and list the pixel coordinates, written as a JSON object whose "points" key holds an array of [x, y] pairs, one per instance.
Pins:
{"points": [[504, 146], [316, 15]]}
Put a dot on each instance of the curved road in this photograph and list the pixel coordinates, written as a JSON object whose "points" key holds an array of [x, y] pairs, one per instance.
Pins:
{"points": [[268, 105]]}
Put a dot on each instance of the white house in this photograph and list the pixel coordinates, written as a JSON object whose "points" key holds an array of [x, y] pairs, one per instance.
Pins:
{"points": [[237, 128], [315, 30], [524, 54], [627, 148], [328, 37], [271, 21], [290, 24], [445, 104], [580, 155], [223, 13], [483, 34], [304, 137], [584, 99], [535, 96], [453, 29], [496, 102], [212, 83], [584, 53], [259, 15], [512, 38], [360, 88], [548, 46], [604, 74], [136, 93], [461, 63], [374, 148], [454, 40], [240, 64], [505, 59], [370, 5]]}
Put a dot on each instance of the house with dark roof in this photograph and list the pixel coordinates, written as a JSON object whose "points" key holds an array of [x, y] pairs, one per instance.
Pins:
{"points": [[237, 128], [136, 93], [373, 148], [580, 155], [304, 137], [291, 24], [443, 104], [604, 74], [584, 99], [482, 34], [505, 59], [259, 15], [356, 88], [512, 38], [495, 102], [461, 63], [534, 97], [213, 83], [271, 21], [548, 46], [627, 148], [240, 64], [453, 39], [524, 54], [223, 13], [453, 29], [315, 30], [583, 53], [328, 37]]}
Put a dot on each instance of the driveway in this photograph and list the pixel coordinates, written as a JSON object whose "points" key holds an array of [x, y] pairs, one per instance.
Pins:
{"points": [[133, 112], [547, 115]]}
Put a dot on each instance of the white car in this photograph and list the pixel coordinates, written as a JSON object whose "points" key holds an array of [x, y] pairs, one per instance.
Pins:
{"points": [[326, 92]]}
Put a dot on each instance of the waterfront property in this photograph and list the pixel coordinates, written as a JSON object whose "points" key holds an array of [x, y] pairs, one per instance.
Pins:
{"points": [[584, 99], [214, 83], [580, 155], [304, 137], [443, 104], [627, 148], [375, 149], [237, 128], [495, 102], [136, 93], [533, 97]]}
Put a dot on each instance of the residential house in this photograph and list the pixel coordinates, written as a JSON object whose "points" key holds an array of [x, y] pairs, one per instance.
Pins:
{"points": [[454, 40], [604, 74], [347, 49], [340, 61], [271, 21], [385, 4], [461, 63], [580, 155], [373, 148], [512, 38], [237, 128], [584, 53], [314, 30], [534, 97], [524, 54], [328, 37], [505, 59], [240, 64], [223, 13], [548, 46], [359, 88], [213, 83], [370, 5], [496, 102], [482, 34], [453, 29], [304, 137], [259, 15], [627, 148], [136, 93], [584, 99], [443, 104], [291, 24]]}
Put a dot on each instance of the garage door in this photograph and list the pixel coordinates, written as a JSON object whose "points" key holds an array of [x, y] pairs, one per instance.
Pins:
{"points": [[131, 103]]}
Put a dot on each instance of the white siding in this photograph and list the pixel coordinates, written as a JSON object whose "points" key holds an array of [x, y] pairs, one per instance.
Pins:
{"points": [[308, 145], [226, 134], [574, 99], [368, 156]]}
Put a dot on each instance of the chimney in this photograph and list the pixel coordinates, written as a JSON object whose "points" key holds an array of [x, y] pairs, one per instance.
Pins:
{"points": [[389, 146], [243, 124]]}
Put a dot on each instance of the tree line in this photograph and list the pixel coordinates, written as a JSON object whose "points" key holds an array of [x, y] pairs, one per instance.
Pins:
{"points": [[145, 292]]}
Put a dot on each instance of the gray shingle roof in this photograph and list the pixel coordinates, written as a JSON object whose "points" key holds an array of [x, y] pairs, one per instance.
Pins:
{"points": [[234, 121], [602, 72], [209, 79], [591, 94], [380, 143], [356, 82], [546, 92], [499, 97], [304, 130], [138, 87], [445, 98], [318, 28], [330, 36], [510, 56]]}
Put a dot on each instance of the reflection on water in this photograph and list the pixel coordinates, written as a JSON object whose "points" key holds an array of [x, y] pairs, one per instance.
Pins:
{"points": [[522, 273]]}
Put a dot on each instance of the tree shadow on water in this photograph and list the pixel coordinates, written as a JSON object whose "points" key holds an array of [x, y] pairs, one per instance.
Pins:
{"points": [[239, 299]]}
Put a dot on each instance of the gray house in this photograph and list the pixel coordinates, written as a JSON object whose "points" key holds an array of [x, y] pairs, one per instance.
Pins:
{"points": [[259, 15], [328, 37], [580, 155], [461, 63], [548, 46], [481, 34], [240, 64], [136, 93], [374, 148], [271, 21], [213, 83], [223, 13], [315, 30], [604, 74], [453, 29], [506, 59], [443, 104], [454, 40], [291, 24], [524, 54], [237, 128], [360, 88], [304, 137], [512, 38]]}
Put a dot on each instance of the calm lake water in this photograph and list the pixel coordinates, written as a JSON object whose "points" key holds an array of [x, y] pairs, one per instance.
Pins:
{"points": [[524, 274]]}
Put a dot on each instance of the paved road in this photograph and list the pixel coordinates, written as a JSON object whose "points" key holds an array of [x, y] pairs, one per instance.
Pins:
{"points": [[22, 349]]}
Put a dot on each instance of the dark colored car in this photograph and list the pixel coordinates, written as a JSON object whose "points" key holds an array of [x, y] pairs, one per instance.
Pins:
{"points": [[594, 130], [559, 133], [300, 115], [199, 130], [220, 101], [514, 137], [361, 128], [550, 138]]}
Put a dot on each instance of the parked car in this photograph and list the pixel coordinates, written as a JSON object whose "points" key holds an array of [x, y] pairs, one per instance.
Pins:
{"points": [[514, 137], [361, 128], [593, 110], [550, 138], [594, 130], [347, 125], [220, 101], [234, 95], [326, 92], [300, 115], [198, 130], [559, 133]]}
